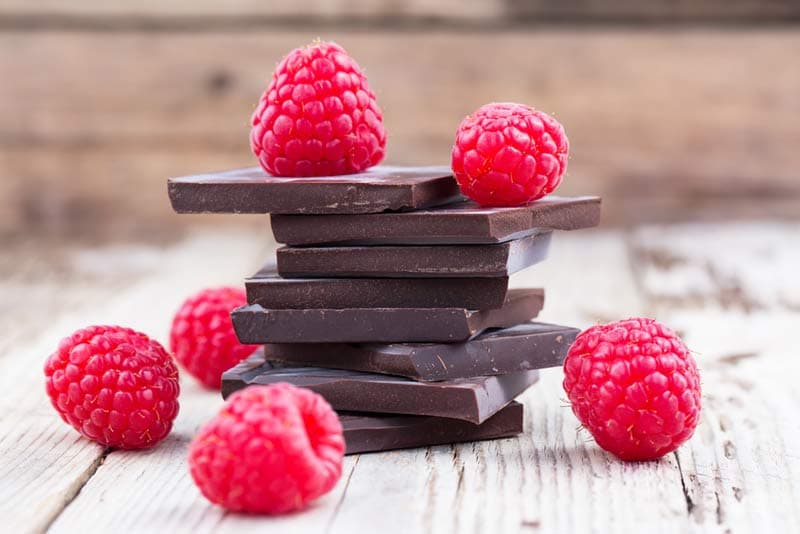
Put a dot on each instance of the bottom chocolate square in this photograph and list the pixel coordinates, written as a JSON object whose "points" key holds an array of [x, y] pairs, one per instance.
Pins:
{"points": [[374, 433]]}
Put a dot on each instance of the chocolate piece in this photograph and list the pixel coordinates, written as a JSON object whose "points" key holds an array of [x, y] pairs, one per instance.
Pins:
{"points": [[494, 352], [255, 324], [372, 433], [271, 291], [420, 261], [372, 191], [461, 222], [470, 399]]}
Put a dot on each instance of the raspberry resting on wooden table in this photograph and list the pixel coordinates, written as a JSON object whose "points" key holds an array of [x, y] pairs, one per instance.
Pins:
{"points": [[114, 385], [202, 336], [271, 449], [635, 386]]}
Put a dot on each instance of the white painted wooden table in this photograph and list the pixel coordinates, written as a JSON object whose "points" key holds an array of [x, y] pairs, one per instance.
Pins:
{"points": [[731, 290]]}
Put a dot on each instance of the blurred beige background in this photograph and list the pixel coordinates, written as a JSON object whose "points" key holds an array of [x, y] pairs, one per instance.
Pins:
{"points": [[676, 110]]}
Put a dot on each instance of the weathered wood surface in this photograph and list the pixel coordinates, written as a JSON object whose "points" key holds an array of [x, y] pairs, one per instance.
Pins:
{"points": [[668, 125], [44, 463], [498, 12], [733, 293], [731, 290]]}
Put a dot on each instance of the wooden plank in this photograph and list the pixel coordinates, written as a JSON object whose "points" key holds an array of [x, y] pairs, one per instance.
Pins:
{"points": [[551, 479], [153, 491], [344, 11], [731, 292], [47, 462], [112, 194], [314, 9], [578, 296], [201, 88], [749, 11], [645, 113], [747, 267]]}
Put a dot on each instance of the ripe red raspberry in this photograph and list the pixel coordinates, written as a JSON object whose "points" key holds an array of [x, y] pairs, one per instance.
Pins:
{"points": [[318, 116], [635, 386], [271, 449], [202, 336], [114, 385], [509, 154]]}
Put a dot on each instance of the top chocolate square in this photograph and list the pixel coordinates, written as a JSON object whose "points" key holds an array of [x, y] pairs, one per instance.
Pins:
{"points": [[375, 190]]}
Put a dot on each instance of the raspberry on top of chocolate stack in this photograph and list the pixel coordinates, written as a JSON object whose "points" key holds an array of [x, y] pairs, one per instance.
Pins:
{"points": [[318, 117]]}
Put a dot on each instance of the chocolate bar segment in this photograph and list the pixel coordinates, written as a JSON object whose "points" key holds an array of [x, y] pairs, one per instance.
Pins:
{"points": [[373, 433], [470, 399], [269, 290], [391, 261], [252, 190], [462, 222], [255, 324], [494, 352]]}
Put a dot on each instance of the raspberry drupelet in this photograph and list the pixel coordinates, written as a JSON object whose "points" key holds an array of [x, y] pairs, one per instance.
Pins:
{"points": [[202, 336], [635, 386], [318, 116], [114, 385], [509, 154], [270, 450]]}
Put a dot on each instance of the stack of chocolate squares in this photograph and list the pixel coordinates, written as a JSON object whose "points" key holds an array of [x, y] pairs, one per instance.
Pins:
{"points": [[391, 299]]}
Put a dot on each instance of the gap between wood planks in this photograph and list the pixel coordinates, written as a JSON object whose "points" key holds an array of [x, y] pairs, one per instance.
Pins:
{"points": [[80, 483]]}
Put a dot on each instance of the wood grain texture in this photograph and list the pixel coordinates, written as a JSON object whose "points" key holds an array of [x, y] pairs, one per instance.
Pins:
{"points": [[45, 463], [671, 125], [731, 292], [729, 289], [153, 491], [313, 9], [515, 483], [343, 11]]}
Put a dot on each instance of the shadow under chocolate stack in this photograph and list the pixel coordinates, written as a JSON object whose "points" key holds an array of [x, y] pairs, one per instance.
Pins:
{"points": [[391, 299]]}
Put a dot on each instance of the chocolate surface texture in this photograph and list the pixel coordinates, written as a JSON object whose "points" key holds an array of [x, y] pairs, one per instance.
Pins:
{"points": [[471, 399], [373, 433], [252, 190], [462, 222], [256, 324], [269, 290], [501, 259], [494, 352]]}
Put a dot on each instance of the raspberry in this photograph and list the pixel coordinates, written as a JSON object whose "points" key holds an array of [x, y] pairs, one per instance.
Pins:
{"points": [[271, 449], [509, 154], [202, 336], [635, 386], [318, 116], [114, 385]]}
